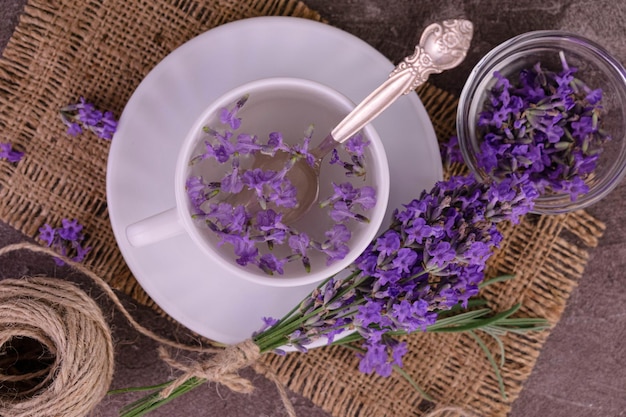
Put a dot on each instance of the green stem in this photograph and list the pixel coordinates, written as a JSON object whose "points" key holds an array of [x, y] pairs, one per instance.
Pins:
{"points": [[501, 278], [139, 389], [154, 401], [491, 360], [412, 382], [482, 323]]}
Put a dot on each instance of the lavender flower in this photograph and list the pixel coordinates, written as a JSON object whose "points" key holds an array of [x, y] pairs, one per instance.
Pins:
{"points": [[247, 144], [335, 246], [355, 167], [274, 144], [7, 152], [357, 145], [65, 239], [84, 115], [270, 264], [245, 248], [228, 117], [300, 244], [232, 182], [70, 230], [200, 192], [302, 151], [450, 151], [346, 199], [545, 125], [381, 355]]}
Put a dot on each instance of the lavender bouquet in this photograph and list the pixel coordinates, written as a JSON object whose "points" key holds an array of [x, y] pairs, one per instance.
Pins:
{"points": [[419, 275]]}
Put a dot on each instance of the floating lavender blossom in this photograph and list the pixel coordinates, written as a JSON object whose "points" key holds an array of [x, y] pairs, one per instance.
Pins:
{"points": [[431, 259], [65, 240], [543, 124], [84, 115]]}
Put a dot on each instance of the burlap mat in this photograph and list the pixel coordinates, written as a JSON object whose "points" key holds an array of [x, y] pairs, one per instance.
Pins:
{"points": [[64, 49]]}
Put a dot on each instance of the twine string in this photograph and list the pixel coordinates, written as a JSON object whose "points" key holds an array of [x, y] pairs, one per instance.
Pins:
{"points": [[221, 367], [102, 284]]}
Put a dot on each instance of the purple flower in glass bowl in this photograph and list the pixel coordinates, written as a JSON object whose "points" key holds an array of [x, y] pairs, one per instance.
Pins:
{"points": [[550, 106]]}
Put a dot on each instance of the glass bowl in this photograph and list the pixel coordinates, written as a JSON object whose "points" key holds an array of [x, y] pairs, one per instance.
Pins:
{"points": [[595, 66]]}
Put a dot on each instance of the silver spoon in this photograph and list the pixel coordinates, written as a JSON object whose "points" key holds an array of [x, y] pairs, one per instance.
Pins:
{"points": [[442, 46]]}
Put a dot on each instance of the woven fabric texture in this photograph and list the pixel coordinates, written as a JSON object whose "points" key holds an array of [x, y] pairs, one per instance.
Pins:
{"points": [[64, 49]]}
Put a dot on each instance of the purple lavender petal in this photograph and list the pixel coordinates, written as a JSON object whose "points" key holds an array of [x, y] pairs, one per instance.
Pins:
{"points": [[7, 152], [270, 264], [356, 144], [341, 212], [47, 234], [299, 243], [71, 230], [232, 182], [366, 198]]}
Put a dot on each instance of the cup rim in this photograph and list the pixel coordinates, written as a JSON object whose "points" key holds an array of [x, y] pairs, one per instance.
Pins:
{"points": [[549, 203], [377, 214]]}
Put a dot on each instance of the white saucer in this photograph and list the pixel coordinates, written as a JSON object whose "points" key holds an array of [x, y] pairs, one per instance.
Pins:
{"points": [[143, 154]]}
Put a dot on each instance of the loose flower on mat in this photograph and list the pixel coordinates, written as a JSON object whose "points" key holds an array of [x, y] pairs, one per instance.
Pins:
{"points": [[67, 240], [7, 152], [83, 115], [420, 275], [543, 124]]}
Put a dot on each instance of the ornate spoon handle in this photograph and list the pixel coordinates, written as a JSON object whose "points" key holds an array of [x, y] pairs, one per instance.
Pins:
{"points": [[442, 46]]}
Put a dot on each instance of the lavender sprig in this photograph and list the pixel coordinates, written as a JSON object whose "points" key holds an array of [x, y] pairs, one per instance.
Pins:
{"points": [[83, 115], [355, 167], [67, 240], [418, 276], [430, 260]]}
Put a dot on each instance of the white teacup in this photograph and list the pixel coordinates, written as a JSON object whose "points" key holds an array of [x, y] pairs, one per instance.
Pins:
{"points": [[289, 106]]}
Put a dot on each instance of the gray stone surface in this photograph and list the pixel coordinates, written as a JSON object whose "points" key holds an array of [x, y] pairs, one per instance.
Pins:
{"points": [[581, 372]]}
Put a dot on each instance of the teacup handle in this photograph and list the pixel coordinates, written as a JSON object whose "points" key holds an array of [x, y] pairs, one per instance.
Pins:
{"points": [[155, 228]]}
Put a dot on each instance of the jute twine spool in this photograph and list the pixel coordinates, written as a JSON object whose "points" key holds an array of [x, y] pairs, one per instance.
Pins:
{"points": [[67, 328], [75, 342]]}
